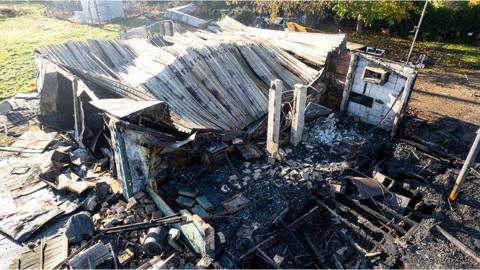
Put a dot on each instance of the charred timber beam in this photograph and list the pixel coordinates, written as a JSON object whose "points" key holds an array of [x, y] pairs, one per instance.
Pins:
{"points": [[382, 220], [463, 248], [429, 149], [275, 237], [375, 228], [318, 254], [280, 221], [385, 208], [357, 229], [176, 218], [354, 244], [375, 214], [267, 259]]}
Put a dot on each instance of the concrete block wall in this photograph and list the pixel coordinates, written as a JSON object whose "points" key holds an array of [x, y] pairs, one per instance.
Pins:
{"points": [[383, 95]]}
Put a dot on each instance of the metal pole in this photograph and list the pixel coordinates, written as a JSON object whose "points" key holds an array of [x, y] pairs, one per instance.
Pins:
{"points": [[466, 167], [416, 32]]}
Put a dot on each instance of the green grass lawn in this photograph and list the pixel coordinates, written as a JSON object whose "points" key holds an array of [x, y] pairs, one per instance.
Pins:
{"points": [[446, 55], [20, 35]]}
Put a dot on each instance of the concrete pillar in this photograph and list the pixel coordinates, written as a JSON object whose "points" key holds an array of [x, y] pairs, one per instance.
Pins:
{"points": [[273, 121], [298, 113]]}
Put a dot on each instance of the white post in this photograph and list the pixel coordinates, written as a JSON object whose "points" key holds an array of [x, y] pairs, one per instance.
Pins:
{"points": [[298, 116], [472, 155], [273, 124]]}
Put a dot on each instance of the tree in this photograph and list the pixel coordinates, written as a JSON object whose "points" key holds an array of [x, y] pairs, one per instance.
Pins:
{"points": [[295, 8], [366, 12]]}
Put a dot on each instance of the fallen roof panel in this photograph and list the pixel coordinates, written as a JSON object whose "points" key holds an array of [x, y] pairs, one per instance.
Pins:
{"points": [[210, 81], [313, 47], [122, 107]]}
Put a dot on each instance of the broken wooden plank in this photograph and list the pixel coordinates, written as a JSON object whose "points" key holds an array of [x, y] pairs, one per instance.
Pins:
{"points": [[463, 248], [385, 246], [267, 259], [316, 251], [196, 234], [275, 237], [159, 202]]}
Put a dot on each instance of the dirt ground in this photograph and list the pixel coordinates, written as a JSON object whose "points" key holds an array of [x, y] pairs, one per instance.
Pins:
{"points": [[447, 101], [451, 93]]}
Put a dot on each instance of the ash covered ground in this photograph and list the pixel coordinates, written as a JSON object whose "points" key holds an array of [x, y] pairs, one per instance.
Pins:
{"points": [[332, 149]]}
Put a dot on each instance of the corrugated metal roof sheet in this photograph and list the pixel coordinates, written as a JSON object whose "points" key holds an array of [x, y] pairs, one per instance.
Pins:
{"points": [[313, 47], [44, 256], [210, 81], [27, 201], [122, 107]]}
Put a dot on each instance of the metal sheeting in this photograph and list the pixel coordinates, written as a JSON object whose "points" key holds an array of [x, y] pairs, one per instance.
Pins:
{"points": [[210, 81], [313, 47], [47, 255], [122, 107], [27, 202], [32, 141]]}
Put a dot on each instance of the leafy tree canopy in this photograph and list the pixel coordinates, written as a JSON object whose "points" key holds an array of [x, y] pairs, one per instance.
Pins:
{"points": [[370, 11]]}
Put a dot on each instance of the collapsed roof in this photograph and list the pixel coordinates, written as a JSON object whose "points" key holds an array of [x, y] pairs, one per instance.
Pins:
{"points": [[312, 47], [210, 81]]}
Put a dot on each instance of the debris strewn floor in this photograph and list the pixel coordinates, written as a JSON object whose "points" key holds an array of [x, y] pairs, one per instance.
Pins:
{"points": [[134, 168]]}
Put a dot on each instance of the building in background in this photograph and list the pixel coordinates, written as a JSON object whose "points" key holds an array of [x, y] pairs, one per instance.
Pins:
{"points": [[97, 12]]}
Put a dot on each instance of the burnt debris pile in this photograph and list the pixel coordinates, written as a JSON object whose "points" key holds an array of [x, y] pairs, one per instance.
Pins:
{"points": [[226, 146]]}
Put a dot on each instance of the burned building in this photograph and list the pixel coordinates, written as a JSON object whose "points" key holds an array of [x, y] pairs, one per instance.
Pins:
{"points": [[222, 146], [193, 82]]}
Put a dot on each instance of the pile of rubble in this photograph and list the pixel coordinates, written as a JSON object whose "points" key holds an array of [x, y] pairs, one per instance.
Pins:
{"points": [[138, 209], [156, 157], [250, 206]]}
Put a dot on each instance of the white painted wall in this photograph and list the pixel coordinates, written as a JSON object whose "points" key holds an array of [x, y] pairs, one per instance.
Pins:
{"points": [[384, 96]]}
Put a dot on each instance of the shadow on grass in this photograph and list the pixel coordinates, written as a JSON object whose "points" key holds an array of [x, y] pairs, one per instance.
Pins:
{"points": [[459, 55]]}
